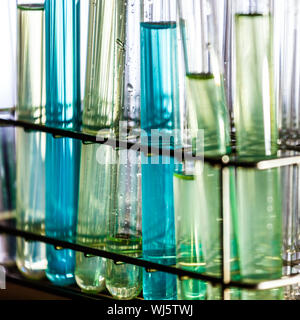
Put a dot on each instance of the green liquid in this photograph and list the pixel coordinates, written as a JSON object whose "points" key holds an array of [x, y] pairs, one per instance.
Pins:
{"points": [[189, 244], [31, 256], [259, 225], [31, 62], [90, 271], [207, 111], [255, 109], [124, 281], [105, 66], [93, 210], [30, 147], [197, 214]]}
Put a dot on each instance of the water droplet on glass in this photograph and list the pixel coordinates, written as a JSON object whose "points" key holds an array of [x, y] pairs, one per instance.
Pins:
{"points": [[130, 87]]}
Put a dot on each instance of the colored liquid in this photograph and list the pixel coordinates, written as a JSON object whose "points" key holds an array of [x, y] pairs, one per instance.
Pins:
{"points": [[62, 110], [103, 99], [159, 77], [30, 147], [207, 111], [31, 62], [62, 180], [158, 227], [159, 111], [124, 281], [62, 61], [259, 225], [189, 243], [197, 213], [125, 228], [31, 256], [93, 211], [255, 109]]}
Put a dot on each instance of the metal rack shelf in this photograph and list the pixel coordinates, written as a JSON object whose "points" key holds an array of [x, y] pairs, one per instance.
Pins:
{"points": [[223, 163]]}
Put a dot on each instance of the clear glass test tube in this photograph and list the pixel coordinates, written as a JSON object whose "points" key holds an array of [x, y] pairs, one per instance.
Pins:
{"points": [[30, 146], [62, 21], [124, 281], [8, 36], [8, 194], [255, 114], [160, 112], [111, 108], [7, 135], [290, 73], [205, 94], [112, 95], [93, 212], [207, 112], [198, 198], [259, 221]]}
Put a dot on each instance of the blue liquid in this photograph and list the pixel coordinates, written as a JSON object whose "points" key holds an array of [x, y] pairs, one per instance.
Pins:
{"points": [[159, 109], [159, 78], [62, 155], [62, 60], [62, 179], [158, 228]]}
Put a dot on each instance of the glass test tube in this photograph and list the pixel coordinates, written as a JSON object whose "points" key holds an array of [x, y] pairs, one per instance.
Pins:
{"points": [[112, 94], [207, 111], [63, 111], [160, 112], [7, 135], [259, 208], [124, 281], [290, 73], [30, 146], [205, 95], [255, 100]]}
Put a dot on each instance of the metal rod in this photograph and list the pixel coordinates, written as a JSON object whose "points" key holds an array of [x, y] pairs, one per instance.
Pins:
{"points": [[180, 154]]}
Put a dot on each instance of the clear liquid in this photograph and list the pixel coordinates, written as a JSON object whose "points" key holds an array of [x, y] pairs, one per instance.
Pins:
{"points": [[255, 107], [207, 111], [62, 180], [259, 225], [62, 61], [158, 228], [159, 76], [30, 152], [93, 210], [124, 281]]}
